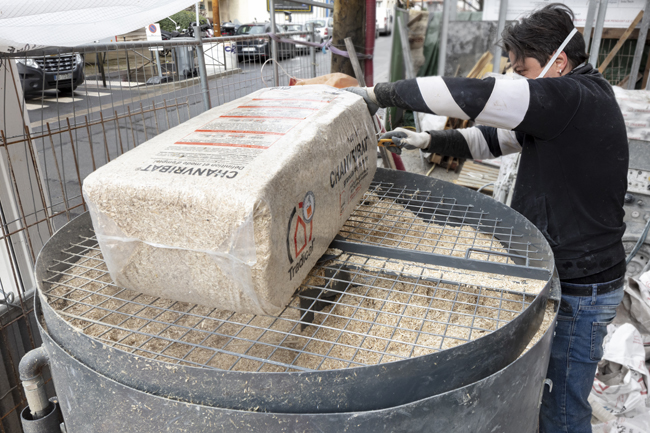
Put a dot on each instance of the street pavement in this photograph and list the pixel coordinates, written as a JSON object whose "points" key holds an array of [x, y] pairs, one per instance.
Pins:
{"points": [[92, 97]]}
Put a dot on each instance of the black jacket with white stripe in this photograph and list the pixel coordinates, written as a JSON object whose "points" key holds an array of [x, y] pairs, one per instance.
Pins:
{"points": [[572, 175]]}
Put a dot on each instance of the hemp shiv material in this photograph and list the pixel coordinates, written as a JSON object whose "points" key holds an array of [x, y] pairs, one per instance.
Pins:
{"points": [[233, 208]]}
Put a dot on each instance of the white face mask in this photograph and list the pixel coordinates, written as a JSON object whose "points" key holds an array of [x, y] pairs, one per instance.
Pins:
{"points": [[557, 53]]}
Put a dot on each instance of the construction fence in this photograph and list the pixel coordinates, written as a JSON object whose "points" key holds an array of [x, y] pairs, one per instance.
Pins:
{"points": [[101, 101]]}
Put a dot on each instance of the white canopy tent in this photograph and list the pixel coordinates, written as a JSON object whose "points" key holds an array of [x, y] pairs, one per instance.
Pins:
{"points": [[29, 24]]}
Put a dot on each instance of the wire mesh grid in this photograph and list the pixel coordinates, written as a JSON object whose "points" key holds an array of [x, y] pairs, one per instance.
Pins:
{"points": [[69, 111], [619, 69], [417, 220], [351, 311]]}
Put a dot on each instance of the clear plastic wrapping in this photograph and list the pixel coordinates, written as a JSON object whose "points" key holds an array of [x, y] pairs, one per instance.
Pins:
{"points": [[635, 106], [233, 208]]}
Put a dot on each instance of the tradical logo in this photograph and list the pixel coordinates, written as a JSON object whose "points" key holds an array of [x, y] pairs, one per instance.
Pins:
{"points": [[308, 207], [300, 230]]}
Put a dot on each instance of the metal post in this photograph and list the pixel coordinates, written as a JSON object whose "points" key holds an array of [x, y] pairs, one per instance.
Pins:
{"points": [[274, 45], [444, 30], [356, 66], [128, 65], [402, 27], [158, 63], [99, 62], [203, 73], [496, 60], [312, 52], [589, 23], [328, 6], [453, 12], [640, 45], [598, 33], [409, 71]]}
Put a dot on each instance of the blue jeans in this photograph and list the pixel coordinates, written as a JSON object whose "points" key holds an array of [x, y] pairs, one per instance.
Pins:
{"points": [[577, 348]]}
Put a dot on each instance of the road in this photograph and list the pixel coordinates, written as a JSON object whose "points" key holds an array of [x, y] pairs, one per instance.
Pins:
{"points": [[96, 136]]}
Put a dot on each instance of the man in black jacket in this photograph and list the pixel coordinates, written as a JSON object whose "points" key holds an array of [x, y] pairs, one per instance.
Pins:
{"points": [[571, 182]]}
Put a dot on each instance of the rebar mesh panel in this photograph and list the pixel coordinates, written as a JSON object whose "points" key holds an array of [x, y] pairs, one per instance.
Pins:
{"points": [[351, 311], [412, 219]]}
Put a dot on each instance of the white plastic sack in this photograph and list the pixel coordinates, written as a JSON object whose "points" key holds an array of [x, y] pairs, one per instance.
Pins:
{"points": [[621, 382], [635, 308], [635, 106], [432, 122], [637, 424], [25, 25]]}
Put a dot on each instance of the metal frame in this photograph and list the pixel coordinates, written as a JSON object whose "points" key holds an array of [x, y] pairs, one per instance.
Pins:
{"points": [[444, 30], [313, 3], [640, 46], [598, 33], [103, 300], [503, 10], [589, 22]]}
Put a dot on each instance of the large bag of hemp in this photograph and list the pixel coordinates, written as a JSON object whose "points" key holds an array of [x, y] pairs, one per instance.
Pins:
{"points": [[232, 209]]}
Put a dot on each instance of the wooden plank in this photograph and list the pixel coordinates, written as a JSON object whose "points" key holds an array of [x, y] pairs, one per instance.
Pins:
{"points": [[620, 42], [475, 175], [487, 189], [617, 33], [482, 167], [474, 182], [480, 65], [624, 81], [477, 181]]}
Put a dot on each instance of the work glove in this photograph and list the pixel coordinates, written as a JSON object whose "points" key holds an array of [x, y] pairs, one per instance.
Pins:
{"points": [[405, 139], [368, 95]]}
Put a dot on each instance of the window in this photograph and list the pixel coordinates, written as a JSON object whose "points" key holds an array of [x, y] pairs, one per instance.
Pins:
{"points": [[318, 23], [251, 30]]}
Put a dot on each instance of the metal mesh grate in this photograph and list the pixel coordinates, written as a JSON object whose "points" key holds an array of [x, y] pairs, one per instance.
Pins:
{"points": [[412, 219], [353, 310]]}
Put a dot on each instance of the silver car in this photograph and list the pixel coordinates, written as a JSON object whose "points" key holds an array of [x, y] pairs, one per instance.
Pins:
{"points": [[323, 32], [305, 37]]}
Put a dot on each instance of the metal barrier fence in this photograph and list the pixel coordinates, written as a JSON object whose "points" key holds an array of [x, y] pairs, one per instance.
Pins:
{"points": [[619, 69], [100, 101]]}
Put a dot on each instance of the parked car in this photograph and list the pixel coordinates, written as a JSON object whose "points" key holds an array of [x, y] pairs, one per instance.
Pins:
{"points": [[260, 48], [305, 37], [384, 17], [323, 33], [64, 72]]}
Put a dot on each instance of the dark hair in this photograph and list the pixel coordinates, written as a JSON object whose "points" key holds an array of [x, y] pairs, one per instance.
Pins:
{"points": [[541, 33]]}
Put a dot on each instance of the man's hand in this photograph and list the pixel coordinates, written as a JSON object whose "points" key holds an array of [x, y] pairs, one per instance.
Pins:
{"points": [[405, 139], [368, 95]]}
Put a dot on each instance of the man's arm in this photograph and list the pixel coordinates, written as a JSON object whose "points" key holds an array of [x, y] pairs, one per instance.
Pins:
{"points": [[480, 142], [541, 108]]}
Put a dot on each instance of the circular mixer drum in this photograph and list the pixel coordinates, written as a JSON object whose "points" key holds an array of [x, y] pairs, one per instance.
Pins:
{"points": [[428, 288]]}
